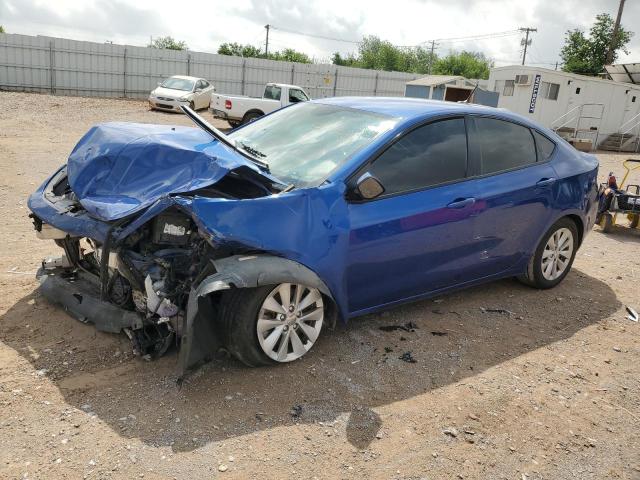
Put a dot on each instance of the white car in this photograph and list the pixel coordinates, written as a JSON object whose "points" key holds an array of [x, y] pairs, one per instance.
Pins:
{"points": [[181, 90]]}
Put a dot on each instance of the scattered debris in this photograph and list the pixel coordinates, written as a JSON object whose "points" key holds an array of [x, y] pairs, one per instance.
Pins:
{"points": [[296, 411], [633, 315], [222, 467], [451, 431], [438, 334], [407, 357], [503, 311], [407, 327], [388, 349], [617, 349]]}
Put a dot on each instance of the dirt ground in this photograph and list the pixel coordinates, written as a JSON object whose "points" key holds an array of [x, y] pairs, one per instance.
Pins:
{"points": [[550, 391]]}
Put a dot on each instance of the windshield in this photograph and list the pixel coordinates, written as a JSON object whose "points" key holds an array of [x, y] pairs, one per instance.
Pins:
{"points": [[178, 84], [304, 143]]}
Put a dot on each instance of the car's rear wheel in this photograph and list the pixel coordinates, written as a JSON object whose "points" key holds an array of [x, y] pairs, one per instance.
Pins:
{"points": [[250, 117], [271, 324], [554, 255]]}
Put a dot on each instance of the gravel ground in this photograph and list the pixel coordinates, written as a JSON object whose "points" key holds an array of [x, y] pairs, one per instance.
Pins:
{"points": [[549, 391]]}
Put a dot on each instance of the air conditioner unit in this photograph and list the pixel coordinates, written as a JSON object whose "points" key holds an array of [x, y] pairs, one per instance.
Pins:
{"points": [[523, 80]]}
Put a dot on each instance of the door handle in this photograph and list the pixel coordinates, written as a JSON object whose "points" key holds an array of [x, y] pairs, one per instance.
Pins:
{"points": [[545, 182], [461, 202]]}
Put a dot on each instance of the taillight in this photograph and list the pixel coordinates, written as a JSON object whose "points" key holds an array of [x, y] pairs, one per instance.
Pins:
{"points": [[227, 104]]}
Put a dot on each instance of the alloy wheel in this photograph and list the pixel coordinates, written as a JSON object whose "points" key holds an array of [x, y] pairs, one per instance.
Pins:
{"points": [[289, 321], [557, 253]]}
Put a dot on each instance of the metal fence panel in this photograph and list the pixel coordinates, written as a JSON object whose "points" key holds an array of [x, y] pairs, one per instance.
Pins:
{"points": [[70, 67]]}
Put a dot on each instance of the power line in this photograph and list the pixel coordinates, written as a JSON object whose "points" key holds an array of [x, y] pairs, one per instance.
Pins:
{"points": [[294, 32], [485, 36]]}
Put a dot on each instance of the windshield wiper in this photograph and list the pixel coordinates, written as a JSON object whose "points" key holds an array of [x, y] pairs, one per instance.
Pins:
{"points": [[218, 135], [252, 151]]}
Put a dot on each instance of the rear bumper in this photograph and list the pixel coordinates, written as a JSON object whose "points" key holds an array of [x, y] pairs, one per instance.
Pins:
{"points": [[223, 115]]}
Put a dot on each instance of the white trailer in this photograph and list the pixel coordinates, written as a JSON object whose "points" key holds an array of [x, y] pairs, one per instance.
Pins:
{"points": [[576, 106]]}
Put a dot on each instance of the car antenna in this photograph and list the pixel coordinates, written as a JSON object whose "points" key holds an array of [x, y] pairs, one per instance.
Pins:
{"points": [[472, 92], [218, 135]]}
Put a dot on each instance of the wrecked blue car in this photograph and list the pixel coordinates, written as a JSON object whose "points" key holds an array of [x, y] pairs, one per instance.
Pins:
{"points": [[257, 240]]}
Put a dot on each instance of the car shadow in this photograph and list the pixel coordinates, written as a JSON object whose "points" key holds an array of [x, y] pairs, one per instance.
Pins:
{"points": [[352, 370], [621, 232]]}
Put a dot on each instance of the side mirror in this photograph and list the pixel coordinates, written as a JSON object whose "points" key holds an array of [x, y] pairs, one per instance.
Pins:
{"points": [[368, 187]]}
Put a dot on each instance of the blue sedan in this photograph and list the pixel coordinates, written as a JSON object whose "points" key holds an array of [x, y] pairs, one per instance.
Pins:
{"points": [[255, 240]]}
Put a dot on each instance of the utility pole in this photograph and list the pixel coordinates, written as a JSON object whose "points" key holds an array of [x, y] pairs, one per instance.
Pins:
{"points": [[614, 35], [526, 42], [433, 46], [266, 46]]}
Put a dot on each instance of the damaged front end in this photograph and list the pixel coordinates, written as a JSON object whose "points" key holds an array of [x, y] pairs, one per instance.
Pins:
{"points": [[132, 254], [139, 285]]}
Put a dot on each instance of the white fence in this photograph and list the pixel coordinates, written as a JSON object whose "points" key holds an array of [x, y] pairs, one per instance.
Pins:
{"points": [[70, 67]]}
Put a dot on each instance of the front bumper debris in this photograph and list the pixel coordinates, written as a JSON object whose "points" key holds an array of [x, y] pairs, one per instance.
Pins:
{"points": [[80, 297]]}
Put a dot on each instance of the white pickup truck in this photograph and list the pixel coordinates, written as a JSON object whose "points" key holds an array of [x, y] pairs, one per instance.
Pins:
{"points": [[239, 109]]}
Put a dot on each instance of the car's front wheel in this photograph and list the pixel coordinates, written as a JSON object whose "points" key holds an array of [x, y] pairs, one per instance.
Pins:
{"points": [[271, 324], [554, 255]]}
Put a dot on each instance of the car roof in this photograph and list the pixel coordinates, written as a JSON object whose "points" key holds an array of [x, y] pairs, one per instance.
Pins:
{"points": [[418, 108], [184, 77], [288, 85]]}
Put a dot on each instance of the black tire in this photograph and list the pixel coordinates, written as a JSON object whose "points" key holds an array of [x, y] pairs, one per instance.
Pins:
{"points": [[192, 105], [233, 124], [606, 222], [533, 276], [250, 117], [634, 221], [239, 315]]}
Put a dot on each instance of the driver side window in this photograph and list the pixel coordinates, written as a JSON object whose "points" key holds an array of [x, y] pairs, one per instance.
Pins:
{"points": [[429, 155]]}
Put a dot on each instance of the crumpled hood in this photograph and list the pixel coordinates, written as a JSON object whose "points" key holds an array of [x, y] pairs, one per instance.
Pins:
{"points": [[118, 169]]}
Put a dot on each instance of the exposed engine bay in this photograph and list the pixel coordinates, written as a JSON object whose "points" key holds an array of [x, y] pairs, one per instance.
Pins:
{"points": [[149, 274]]}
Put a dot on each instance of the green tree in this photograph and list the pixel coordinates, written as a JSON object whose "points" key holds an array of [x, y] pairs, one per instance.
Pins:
{"points": [[349, 61], [467, 64], [237, 50], [377, 54], [290, 55], [587, 55], [168, 43], [249, 51], [1, 29]]}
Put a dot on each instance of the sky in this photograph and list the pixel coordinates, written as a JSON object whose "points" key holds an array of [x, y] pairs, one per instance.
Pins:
{"points": [[205, 24]]}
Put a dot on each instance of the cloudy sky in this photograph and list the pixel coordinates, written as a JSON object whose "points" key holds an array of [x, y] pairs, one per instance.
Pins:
{"points": [[205, 24]]}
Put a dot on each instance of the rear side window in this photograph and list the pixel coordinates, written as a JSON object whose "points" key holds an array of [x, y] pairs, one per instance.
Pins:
{"points": [[429, 155], [272, 92], [544, 145], [503, 145]]}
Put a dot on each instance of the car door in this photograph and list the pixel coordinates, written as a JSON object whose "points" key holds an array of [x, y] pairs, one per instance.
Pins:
{"points": [[516, 187], [418, 236]]}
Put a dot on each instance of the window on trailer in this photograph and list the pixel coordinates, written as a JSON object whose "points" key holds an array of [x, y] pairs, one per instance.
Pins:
{"points": [[549, 90]]}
